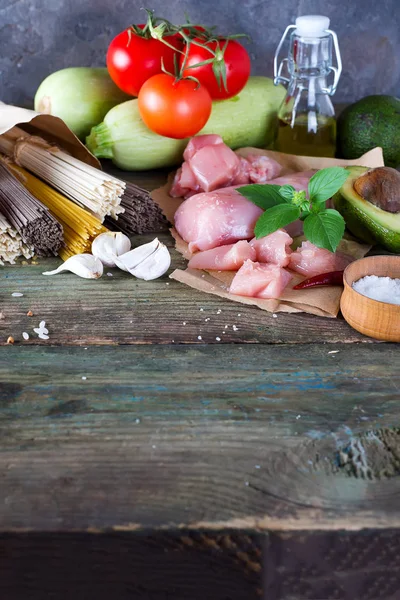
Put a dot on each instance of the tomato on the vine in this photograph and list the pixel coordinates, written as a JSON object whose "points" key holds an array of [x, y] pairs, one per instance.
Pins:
{"points": [[228, 70], [133, 58], [175, 108]]}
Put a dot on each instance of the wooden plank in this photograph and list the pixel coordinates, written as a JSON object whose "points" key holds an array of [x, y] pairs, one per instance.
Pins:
{"points": [[185, 566], [254, 437], [341, 565], [124, 310]]}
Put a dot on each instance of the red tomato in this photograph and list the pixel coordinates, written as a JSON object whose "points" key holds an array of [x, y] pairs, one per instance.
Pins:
{"points": [[132, 59], [175, 109], [237, 64]]}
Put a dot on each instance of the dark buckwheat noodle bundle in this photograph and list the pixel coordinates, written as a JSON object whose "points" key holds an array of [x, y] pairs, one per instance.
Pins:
{"points": [[33, 221], [142, 215]]}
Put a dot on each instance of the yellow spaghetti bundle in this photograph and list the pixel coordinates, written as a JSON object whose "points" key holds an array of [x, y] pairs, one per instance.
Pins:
{"points": [[80, 226]]}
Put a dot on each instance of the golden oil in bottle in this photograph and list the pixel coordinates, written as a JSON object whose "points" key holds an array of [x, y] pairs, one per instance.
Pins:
{"points": [[307, 125], [303, 141]]}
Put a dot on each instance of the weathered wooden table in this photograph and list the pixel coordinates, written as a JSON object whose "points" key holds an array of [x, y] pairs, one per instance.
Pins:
{"points": [[142, 458]]}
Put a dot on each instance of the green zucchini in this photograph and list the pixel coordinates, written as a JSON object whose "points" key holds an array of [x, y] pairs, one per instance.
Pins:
{"points": [[248, 119], [80, 96]]}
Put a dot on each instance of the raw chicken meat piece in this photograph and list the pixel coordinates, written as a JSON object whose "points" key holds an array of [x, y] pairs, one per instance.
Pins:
{"points": [[309, 260], [294, 229], [242, 172], [198, 142], [214, 167], [216, 218], [273, 248], [262, 169], [259, 280], [224, 258], [210, 164], [184, 183], [177, 191], [298, 180]]}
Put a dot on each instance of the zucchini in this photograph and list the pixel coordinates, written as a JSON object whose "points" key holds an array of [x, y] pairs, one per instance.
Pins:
{"points": [[248, 119], [80, 96]]}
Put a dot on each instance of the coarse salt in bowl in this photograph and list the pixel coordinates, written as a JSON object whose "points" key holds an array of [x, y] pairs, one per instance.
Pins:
{"points": [[374, 318]]}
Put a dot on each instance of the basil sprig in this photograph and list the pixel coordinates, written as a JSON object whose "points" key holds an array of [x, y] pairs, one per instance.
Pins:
{"points": [[323, 227]]}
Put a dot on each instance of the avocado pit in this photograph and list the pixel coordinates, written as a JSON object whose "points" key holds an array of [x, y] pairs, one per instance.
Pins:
{"points": [[381, 187]]}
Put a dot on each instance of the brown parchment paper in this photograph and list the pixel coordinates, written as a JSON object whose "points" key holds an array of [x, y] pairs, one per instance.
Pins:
{"points": [[51, 128], [323, 301]]}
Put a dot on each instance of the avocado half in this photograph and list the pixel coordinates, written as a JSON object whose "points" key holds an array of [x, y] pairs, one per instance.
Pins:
{"points": [[365, 220]]}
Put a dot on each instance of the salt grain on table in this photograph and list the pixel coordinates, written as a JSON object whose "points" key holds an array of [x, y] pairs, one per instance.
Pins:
{"points": [[218, 339], [25, 335], [17, 294], [84, 378], [199, 337]]}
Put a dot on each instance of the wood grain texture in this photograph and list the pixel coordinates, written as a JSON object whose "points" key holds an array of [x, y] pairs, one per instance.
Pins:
{"points": [[332, 566], [124, 310], [146, 566], [253, 437]]}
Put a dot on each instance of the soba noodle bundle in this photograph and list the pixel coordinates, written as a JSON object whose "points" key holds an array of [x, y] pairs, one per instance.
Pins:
{"points": [[33, 221]]}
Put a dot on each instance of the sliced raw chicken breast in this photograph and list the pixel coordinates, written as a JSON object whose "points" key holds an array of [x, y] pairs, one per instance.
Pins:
{"points": [[242, 172], [184, 184], [298, 180], [224, 258], [214, 167], [309, 260], [217, 218], [198, 142], [210, 164], [260, 280], [273, 248], [294, 229], [262, 168]]}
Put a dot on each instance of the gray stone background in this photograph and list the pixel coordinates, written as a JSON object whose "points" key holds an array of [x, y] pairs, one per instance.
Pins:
{"points": [[38, 37]]}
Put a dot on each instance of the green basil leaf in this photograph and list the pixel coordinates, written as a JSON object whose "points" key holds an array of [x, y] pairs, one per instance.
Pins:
{"points": [[326, 182], [325, 229], [287, 191], [274, 218], [263, 195]]}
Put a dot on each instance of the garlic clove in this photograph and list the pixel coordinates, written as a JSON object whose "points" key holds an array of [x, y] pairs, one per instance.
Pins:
{"points": [[110, 244], [130, 260], [156, 265], [83, 265]]}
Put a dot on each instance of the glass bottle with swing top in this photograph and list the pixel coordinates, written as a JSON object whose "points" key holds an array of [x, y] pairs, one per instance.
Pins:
{"points": [[307, 124]]}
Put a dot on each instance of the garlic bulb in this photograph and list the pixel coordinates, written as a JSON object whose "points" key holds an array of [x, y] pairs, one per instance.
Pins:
{"points": [[108, 245], [149, 261], [83, 265], [130, 260]]}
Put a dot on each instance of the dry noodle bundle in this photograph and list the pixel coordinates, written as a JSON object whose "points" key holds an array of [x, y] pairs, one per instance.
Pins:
{"points": [[32, 220], [142, 215], [11, 243], [80, 226], [98, 192]]}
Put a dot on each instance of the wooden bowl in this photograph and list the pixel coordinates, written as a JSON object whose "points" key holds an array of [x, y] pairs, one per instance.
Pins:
{"points": [[376, 319]]}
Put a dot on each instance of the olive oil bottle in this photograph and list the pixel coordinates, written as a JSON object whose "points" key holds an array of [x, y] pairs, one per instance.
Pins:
{"points": [[306, 118]]}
